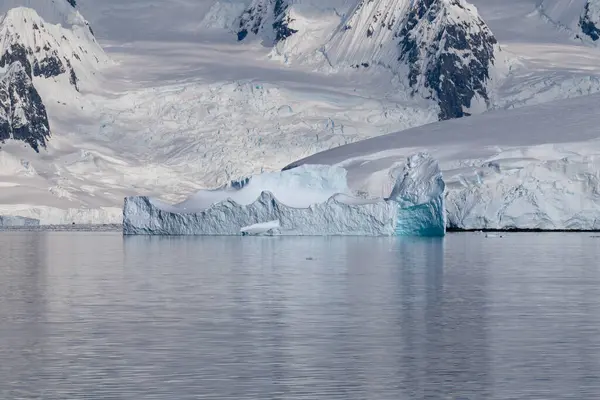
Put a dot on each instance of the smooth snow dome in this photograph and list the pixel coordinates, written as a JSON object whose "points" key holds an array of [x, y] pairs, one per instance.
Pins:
{"points": [[298, 188]]}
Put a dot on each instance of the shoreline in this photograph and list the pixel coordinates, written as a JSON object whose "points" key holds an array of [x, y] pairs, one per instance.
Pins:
{"points": [[119, 228]]}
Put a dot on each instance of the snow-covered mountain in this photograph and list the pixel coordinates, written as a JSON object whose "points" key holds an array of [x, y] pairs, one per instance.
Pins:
{"points": [[22, 113], [581, 18], [187, 106], [48, 50], [443, 47], [42, 51]]}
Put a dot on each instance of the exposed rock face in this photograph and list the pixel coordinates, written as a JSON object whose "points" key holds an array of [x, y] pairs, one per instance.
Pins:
{"points": [[24, 37], [450, 51], [590, 19], [443, 48], [22, 113], [32, 49], [268, 18]]}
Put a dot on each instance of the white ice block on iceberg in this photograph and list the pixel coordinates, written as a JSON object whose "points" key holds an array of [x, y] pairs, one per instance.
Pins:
{"points": [[263, 228], [308, 200]]}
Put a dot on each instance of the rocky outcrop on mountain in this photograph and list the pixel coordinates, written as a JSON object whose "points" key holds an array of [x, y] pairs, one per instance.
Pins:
{"points": [[449, 51], [32, 49], [47, 50], [590, 20], [443, 47], [267, 18], [22, 113]]}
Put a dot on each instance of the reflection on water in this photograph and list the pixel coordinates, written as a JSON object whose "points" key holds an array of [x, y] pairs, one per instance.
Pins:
{"points": [[101, 316]]}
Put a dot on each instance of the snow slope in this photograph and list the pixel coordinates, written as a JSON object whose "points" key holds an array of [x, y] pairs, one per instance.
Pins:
{"points": [[48, 50], [440, 50], [536, 167], [36, 54], [563, 14], [580, 18]]}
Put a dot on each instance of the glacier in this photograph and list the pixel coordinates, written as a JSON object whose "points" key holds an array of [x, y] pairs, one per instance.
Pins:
{"points": [[534, 168], [309, 200]]}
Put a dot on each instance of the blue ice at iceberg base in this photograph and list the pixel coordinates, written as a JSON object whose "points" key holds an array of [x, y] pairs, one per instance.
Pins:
{"points": [[308, 200], [419, 192], [421, 220]]}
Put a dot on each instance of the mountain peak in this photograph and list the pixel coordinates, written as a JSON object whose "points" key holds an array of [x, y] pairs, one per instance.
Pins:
{"points": [[449, 50], [443, 46], [47, 50], [32, 49]]}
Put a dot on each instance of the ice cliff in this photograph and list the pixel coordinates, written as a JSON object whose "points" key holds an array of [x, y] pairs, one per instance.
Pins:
{"points": [[560, 194], [421, 201], [308, 200], [14, 221], [535, 167]]}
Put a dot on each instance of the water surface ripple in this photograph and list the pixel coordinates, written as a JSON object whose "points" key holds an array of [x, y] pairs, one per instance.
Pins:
{"points": [[99, 316]]}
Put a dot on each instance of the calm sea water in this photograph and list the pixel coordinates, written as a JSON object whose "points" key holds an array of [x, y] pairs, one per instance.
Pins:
{"points": [[99, 316]]}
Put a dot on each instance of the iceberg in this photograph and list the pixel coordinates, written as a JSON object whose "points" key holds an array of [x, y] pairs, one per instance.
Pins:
{"points": [[307, 200], [421, 210], [10, 221]]}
